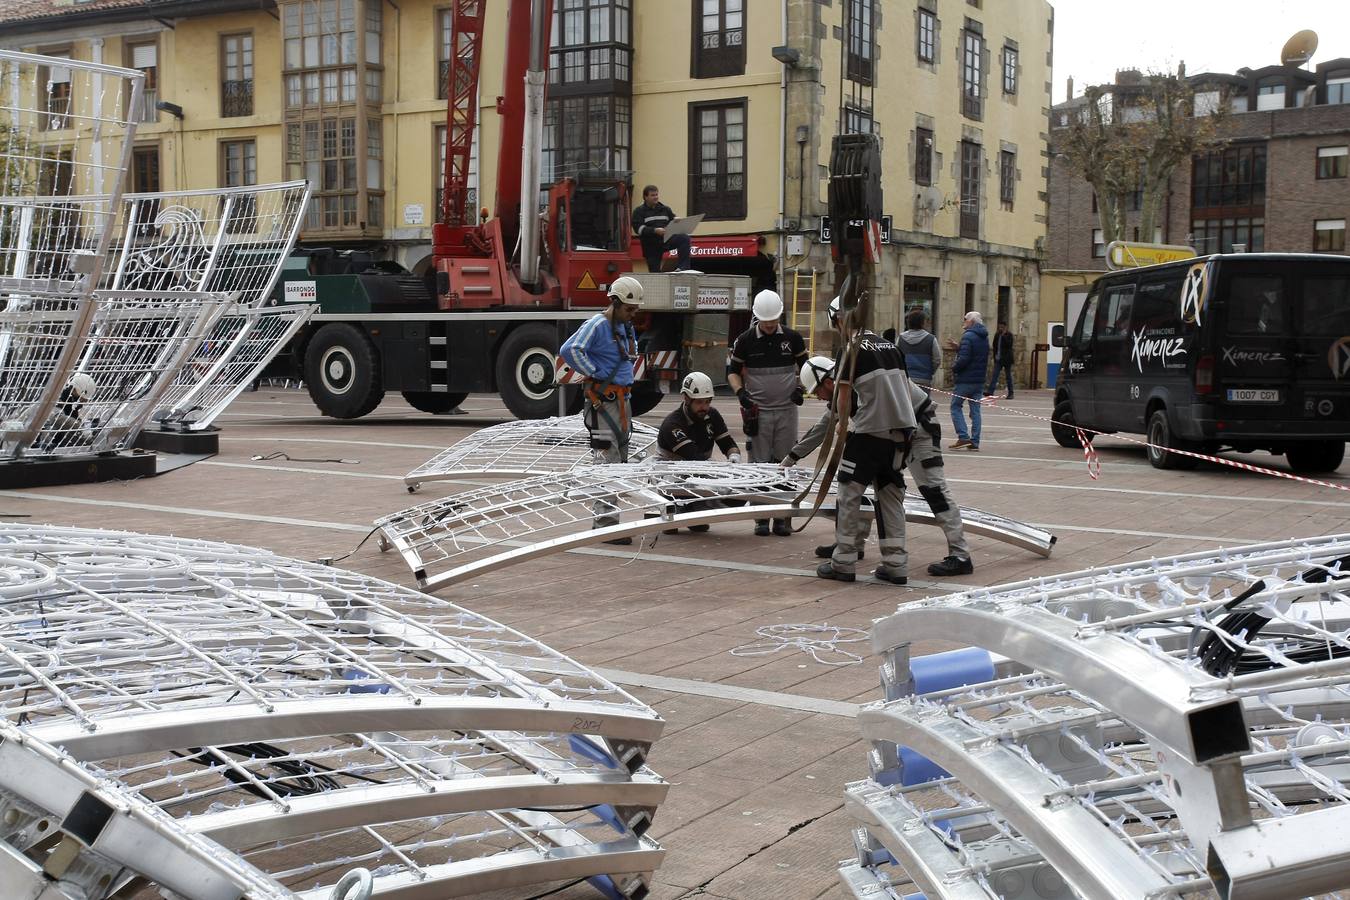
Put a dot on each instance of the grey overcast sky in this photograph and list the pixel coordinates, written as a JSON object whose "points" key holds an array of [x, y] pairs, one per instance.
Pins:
{"points": [[1094, 38]]}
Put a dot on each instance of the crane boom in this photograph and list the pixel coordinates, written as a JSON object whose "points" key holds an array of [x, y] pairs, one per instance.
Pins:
{"points": [[461, 91]]}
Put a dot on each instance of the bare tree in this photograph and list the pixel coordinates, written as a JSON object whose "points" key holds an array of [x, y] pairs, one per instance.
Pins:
{"points": [[1132, 136]]}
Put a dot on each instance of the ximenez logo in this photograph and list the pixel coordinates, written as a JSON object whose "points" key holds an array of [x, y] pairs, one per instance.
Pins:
{"points": [[1160, 348], [1338, 358], [1235, 356]]}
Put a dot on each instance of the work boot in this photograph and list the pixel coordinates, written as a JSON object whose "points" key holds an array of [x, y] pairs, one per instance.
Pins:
{"points": [[782, 528], [827, 570], [825, 551], [699, 529], [620, 541], [761, 528], [952, 565], [959, 444], [882, 575]]}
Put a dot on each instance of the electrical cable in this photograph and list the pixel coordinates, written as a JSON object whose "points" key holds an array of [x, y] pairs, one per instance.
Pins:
{"points": [[278, 454]]}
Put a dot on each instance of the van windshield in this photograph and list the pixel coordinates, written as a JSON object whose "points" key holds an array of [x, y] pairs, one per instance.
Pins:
{"points": [[1256, 305]]}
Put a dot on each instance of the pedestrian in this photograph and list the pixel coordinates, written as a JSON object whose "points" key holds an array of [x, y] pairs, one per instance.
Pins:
{"points": [[691, 432], [762, 370], [923, 356], [602, 350], [649, 224], [1001, 349], [972, 358], [880, 430], [924, 464]]}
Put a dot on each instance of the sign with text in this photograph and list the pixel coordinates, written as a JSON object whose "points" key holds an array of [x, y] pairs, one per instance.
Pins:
{"points": [[1127, 255], [855, 229], [301, 292]]}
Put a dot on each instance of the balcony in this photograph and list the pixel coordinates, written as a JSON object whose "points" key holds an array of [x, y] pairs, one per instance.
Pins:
{"points": [[236, 98]]}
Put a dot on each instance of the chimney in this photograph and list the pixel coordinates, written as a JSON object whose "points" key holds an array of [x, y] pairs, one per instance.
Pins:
{"points": [[1129, 76], [1069, 95]]}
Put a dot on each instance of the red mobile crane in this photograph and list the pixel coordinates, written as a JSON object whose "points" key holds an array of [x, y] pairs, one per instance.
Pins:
{"points": [[502, 295]]}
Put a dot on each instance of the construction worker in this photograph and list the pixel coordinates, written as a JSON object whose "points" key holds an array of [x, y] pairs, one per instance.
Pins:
{"points": [[603, 350], [691, 432], [762, 370], [880, 432], [924, 464]]}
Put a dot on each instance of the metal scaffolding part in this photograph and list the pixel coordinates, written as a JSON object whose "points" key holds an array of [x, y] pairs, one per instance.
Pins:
{"points": [[523, 447], [463, 535], [225, 240], [66, 133], [231, 358], [261, 724], [1166, 727]]}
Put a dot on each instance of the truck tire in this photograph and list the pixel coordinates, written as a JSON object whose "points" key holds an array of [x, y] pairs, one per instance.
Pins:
{"points": [[434, 402], [342, 372], [525, 372], [1063, 426], [1316, 456], [645, 399], [1159, 438]]}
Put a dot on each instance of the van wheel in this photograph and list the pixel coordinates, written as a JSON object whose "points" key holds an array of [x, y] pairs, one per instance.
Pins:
{"points": [[342, 372], [1160, 438], [434, 402], [1064, 425], [1316, 456]]}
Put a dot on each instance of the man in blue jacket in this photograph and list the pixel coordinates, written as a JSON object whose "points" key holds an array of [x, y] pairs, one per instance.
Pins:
{"points": [[972, 358]]}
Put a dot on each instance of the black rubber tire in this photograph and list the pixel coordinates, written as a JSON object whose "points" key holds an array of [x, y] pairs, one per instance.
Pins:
{"points": [[1160, 436], [1064, 434], [1316, 456], [645, 399], [434, 402], [524, 369], [342, 372]]}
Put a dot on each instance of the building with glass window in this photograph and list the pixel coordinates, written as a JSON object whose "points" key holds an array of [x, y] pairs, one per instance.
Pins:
{"points": [[1276, 181], [728, 106]]}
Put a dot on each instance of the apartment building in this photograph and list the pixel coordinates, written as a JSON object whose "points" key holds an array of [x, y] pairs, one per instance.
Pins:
{"points": [[1278, 178], [728, 106]]}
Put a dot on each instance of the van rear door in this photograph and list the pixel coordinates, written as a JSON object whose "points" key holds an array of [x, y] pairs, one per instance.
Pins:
{"points": [[1322, 343], [1254, 345]]}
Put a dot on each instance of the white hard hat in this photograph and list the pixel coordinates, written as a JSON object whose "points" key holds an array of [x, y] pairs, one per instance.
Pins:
{"points": [[816, 370], [83, 385], [834, 309], [768, 306], [628, 289], [697, 386]]}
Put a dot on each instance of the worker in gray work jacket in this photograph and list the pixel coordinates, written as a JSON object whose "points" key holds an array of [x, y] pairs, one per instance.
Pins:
{"points": [[925, 465], [762, 371]]}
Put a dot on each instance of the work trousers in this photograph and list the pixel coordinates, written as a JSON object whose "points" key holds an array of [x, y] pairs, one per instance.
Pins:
{"points": [[775, 439], [611, 429], [888, 486]]}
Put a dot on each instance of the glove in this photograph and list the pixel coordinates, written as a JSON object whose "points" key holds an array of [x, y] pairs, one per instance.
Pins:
{"points": [[788, 461], [798, 395], [744, 396], [733, 458]]}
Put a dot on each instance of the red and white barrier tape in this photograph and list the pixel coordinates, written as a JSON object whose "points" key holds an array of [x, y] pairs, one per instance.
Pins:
{"points": [[1094, 462]]}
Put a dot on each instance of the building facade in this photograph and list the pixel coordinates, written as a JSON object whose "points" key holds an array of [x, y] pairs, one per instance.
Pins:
{"points": [[729, 106], [1277, 180]]}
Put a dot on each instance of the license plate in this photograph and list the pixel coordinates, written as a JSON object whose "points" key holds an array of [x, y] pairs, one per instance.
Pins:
{"points": [[1253, 395]]}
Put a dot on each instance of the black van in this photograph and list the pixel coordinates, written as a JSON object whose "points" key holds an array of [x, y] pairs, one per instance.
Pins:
{"points": [[1247, 351]]}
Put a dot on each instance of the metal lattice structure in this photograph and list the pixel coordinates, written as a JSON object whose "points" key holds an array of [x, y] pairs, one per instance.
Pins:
{"points": [[453, 538], [1163, 728], [225, 240], [523, 447], [231, 357], [229, 723]]}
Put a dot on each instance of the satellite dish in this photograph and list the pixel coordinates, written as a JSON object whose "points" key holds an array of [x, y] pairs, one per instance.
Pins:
{"points": [[930, 199], [1299, 48]]}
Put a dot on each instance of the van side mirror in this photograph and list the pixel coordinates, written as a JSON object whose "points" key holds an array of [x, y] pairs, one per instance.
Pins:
{"points": [[1057, 335], [442, 283]]}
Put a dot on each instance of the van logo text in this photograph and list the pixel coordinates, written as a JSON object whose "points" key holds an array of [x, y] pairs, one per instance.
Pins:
{"points": [[1235, 356], [1148, 349]]}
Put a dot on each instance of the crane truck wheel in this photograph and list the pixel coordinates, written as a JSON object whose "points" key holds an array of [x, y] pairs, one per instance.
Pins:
{"points": [[342, 372], [525, 373], [434, 402]]}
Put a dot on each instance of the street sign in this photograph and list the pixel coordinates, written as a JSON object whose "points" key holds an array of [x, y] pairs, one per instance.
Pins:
{"points": [[825, 233], [1127, 255]]}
